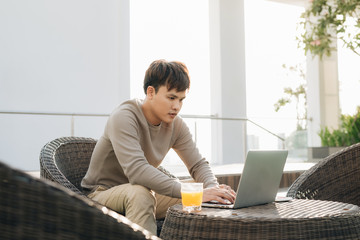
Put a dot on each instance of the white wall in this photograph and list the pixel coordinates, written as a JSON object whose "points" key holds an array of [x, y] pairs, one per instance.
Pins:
{"points": [[59, 56]]}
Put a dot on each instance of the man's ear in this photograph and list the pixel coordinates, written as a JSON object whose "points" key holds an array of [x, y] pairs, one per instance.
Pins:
{"points": [[150, 91]]}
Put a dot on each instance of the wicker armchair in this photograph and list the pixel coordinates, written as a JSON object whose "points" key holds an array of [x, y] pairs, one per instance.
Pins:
{"points": [[335, 178], [33, 208], [65, 161]]}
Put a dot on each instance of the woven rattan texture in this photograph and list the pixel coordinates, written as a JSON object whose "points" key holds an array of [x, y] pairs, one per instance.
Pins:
{"points": [[66, 160], [335, 178], [298, 219], [38, 209]]}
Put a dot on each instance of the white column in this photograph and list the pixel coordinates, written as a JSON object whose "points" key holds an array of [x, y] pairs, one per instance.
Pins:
{"points": [[323, 107], [227, 75], [323, 96]]}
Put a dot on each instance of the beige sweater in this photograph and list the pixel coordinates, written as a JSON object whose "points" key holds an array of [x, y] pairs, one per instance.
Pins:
{"points": [[131, 149]]}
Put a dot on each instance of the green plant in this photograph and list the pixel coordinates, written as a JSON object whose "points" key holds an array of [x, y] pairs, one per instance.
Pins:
{"points": [[327, 20], [347, 134], [297, 93]]}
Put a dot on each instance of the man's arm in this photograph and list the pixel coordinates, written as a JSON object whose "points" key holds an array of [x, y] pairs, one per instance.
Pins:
{"points": [[187, 150], [124, 135], [200, 170]]}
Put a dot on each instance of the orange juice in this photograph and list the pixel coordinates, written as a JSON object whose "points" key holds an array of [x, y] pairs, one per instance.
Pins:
{"points": [[191, 195], [191, 198]]}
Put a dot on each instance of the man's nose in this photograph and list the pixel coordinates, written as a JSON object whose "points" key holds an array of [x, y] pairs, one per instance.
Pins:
{"points": [[176, 105]]}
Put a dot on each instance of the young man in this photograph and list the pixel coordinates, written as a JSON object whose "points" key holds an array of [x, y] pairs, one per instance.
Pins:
{"points": [[123, 172]]}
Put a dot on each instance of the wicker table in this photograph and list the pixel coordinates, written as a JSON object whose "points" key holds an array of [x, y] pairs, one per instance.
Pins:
{"points": [[297, 219]]}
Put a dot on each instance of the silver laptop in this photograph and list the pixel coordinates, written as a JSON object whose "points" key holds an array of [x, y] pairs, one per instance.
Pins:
{"points": [[260, 179]]}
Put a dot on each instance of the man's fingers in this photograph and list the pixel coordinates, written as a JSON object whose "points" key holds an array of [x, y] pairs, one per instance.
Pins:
{"points": [[226, 194], [228, 188], [223, 194]]}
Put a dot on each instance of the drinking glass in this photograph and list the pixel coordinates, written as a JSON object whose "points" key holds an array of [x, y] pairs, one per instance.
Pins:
{"points": [[191, 196]]}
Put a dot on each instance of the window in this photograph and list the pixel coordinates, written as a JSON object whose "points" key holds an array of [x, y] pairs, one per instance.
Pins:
{"points": [[270, 42], [174, 30], [179, 30]]}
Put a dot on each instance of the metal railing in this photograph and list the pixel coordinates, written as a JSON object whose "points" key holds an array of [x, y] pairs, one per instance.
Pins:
{"points": [[185, 116], [72, 115], [214, 117]]}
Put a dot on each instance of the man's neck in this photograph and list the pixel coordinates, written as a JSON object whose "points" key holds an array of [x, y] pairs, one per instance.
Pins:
{"points": [[147, 111]]}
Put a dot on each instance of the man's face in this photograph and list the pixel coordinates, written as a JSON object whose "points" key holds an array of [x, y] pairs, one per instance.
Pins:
{"points": [[166, 104]]}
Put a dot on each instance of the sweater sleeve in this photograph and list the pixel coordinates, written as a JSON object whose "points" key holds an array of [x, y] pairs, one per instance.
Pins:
{"points": [[123, 132], [197, 166]]}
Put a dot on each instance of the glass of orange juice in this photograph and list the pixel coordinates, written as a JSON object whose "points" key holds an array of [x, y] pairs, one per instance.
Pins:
{"points": [[191, 196]]}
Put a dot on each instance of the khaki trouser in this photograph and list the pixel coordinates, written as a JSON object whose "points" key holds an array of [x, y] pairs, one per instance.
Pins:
{"points": [[139, 204]]}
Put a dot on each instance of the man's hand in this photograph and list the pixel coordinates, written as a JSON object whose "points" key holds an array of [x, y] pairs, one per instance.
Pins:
{"points": [[223, 194]]}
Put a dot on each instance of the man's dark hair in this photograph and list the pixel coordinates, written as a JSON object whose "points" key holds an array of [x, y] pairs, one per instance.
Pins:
{"points": [[170, 74]]}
